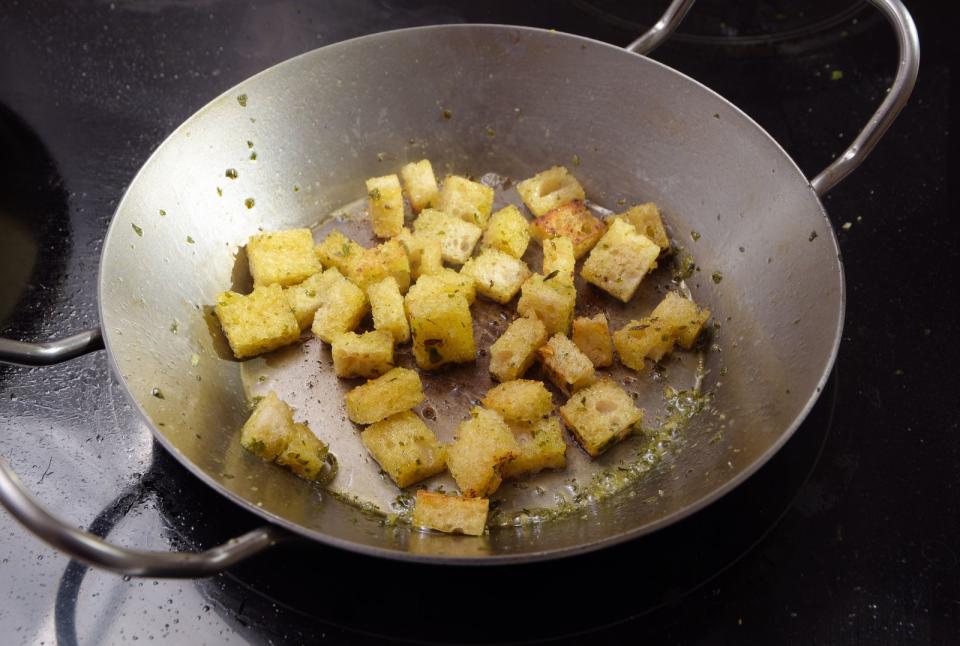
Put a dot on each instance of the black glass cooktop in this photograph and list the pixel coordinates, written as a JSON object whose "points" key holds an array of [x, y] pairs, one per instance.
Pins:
{"points": [[850, 534]]}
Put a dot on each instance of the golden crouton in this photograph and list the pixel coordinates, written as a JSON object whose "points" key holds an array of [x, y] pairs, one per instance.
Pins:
{"points": [[424, 251], [386, 205], [547, 190], [305, 299], [268, 430], [483, 444], [549, 299], [496, 275], [508, 231], [674, 320], [405, 448], [620, 260], [386, 305], [573, 221], [444, 282], [305, 455], [520, 400], [600, 415], [645, 218], [541, 447], [469, 201], [450, 514], [258, 322], [342, 306], [592, 336], [362, 355], [514, 352], [394, 392], [373, 265], [457, 237], [566, 366], [337, 250], [282, 257], [442, 329], [558, 259], [420, 184]]}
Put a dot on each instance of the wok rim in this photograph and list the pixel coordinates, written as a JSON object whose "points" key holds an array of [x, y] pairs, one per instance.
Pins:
{"points": [[486, 559]]}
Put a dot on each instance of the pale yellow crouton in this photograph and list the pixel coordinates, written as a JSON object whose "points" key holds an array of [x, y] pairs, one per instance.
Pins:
{"points": [[514, 352], [305, 298], [520, 400], [337, 250], [342, 306], [620, 260], [676, 320], [541, 447], [558, 257], [405, 448], [645, 218], [547, 190], [386, 205], [483, 444], [420, 184], [424, 251], [282, 257], [386, 305], [549, 299], [446, 281], [469, 201], [573, 221], [258, 322], [496, 275], [566, 366], [508, 231], [269, 428], [373, 265], [305, 455], [600, 415], [394, 392], [457, 237], [442, 329], [450, 514], [592, 336], [362, 355]]}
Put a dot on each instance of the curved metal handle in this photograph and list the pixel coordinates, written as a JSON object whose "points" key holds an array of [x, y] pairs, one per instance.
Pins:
{"points": [[95, 551], [50, 352], [662, 28], [909, 45]]}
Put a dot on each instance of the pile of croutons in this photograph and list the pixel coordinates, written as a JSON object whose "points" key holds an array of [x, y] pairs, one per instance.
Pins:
{"points": [[408, 286]]}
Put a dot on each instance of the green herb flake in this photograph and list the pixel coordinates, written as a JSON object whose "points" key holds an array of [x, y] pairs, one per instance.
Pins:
{"points": [[249, 144], [836, 75], [219, 192], [575, 159], [253, 156], [552, 274], [174, 327], [232, 173], [249, 202], [813, 236], [695, 235], [156, 392], [162, 213], [717, 277], [137, 230], [242, 100], [491, 132], [847, 226], [447, 115], [374, 194], [190, 240]]}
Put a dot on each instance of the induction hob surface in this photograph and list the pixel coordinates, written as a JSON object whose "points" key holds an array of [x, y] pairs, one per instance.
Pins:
{"points": [[849, 535]]}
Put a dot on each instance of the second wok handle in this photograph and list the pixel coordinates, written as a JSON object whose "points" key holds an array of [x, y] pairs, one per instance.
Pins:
{"points": [[50, 352], [92, 550]]}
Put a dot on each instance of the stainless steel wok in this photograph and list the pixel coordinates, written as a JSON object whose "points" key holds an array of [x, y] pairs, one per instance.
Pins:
{"points": [[474, 98]]}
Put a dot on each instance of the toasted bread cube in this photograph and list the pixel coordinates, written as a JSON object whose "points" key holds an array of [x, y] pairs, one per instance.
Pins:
{"points": [[386, 205], [566, 366], [592, 336], [686, 319], [337, 250], [282, 257], [547, 190], [645, 218], [496, 275], [450, 514], [258, 322], [508, 231], [305, 299], [373, 265], [469, 201], [405, 448], [268, 430], [573, 221], [514, 352], [520, 400], [541, 447], [620, 261], [305, 455], [457, 237], [343, 305], [558, 257], [549, 299], [483, 444], [600, 415], [391, 393], [676, 320], [386, 305], [420, 184], [362, 355], [442, 329], [425, 253], [445, 282]]}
